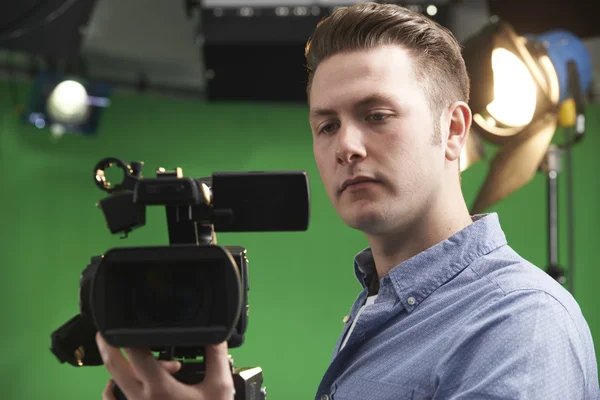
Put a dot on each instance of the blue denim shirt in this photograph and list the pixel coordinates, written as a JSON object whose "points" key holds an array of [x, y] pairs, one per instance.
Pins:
{"points": [[466, 319]]}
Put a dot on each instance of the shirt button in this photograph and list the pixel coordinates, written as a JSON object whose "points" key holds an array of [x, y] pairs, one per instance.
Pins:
{"points": [[325, 397], [411, 300], [346, 319]]}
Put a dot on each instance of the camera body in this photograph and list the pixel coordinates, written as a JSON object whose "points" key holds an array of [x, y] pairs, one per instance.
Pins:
{"points": [[177, 298]]}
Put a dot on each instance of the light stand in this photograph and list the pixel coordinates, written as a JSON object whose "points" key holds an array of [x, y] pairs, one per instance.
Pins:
{"points": [[574, 131], [551, 167], [561, 71]]}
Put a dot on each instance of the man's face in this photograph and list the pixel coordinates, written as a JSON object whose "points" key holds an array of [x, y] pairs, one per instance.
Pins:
{"points": [[371, 122]]}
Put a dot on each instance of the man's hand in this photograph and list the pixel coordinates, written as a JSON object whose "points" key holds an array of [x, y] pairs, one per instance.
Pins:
{"points": [[143, 377]]}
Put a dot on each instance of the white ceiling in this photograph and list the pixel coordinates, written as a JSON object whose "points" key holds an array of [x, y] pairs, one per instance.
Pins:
{"points": [[155, 37]]}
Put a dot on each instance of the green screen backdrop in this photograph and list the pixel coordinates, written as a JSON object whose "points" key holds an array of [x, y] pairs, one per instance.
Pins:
{"points": [[301, 283]]}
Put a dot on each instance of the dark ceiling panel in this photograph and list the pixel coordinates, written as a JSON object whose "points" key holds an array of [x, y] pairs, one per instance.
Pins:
{"points": [[533, 17], [45, 27], [261, 57]]}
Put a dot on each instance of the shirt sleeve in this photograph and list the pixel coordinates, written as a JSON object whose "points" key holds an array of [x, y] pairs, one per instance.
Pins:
{"points": [[524, 345]]}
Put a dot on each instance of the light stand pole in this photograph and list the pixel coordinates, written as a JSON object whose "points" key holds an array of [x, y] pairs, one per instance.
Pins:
{"points": [[552, 167], [574, 132]]}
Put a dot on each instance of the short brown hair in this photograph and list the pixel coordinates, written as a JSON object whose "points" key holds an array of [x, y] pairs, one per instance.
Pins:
{"points": [[435, 51]]}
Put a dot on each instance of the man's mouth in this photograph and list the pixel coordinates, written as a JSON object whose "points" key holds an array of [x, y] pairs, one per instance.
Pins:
{"points": [[356, 181]]}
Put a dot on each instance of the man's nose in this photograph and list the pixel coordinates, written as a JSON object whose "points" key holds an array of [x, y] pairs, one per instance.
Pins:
{"points": [[350, 146]]}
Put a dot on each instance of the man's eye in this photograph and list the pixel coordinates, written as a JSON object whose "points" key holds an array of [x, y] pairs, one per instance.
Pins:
{"points": [[377, 117], [329, 128]]}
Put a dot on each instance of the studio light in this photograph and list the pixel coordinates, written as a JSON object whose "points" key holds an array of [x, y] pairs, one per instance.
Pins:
{"points": [[518, 85], [66, 104], [522, 89]]}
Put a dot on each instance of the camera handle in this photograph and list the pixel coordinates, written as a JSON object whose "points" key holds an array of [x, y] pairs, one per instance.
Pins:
{"points": [[248, 382]]}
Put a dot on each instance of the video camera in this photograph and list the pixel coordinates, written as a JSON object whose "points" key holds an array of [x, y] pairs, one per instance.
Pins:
{"points": [[176, 299]]}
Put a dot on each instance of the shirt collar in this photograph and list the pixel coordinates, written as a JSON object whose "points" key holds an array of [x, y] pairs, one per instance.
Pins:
{"points": [[416, 278]]}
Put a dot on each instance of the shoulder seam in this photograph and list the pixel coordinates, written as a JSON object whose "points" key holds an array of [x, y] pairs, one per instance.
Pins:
{"points": [[470, 266]]}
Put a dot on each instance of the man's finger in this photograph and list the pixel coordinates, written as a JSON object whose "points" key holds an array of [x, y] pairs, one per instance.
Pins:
{"points": [[217, 363], [119, 368], [146, 366], [107, 394], [170, 366]]}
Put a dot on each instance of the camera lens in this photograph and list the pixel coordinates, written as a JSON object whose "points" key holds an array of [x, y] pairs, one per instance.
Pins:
{"points": [[164, 296]]}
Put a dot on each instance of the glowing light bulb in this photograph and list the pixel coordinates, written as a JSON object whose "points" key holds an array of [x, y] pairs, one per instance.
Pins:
{"points": [[68, 103], [514, 90]]}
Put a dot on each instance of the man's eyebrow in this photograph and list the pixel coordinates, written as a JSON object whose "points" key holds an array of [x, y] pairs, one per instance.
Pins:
{"points": [[364, 102], [377, 98], [320, 112]]}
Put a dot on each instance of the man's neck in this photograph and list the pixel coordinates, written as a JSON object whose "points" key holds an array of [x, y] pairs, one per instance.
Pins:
{"points": [[437, 225]]}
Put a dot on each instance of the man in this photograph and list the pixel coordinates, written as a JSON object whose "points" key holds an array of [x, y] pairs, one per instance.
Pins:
{"points": [[448, 310]]}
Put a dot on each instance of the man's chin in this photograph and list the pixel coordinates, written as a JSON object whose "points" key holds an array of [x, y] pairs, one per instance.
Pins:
{"points": [[372, 222]]}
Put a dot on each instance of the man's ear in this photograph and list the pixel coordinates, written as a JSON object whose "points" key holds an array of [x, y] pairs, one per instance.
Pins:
{"points": [[459, 126]]}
